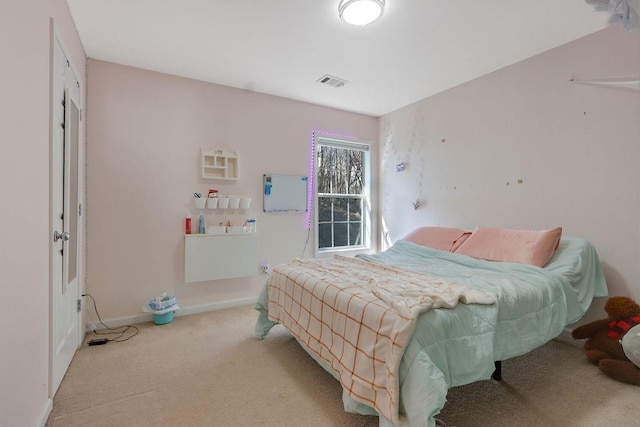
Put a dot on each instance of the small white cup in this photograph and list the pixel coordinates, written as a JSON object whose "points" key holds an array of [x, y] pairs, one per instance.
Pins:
{"points": [[234, 202], [245, 202], [223, 202], [212, 202], [199, 202]]}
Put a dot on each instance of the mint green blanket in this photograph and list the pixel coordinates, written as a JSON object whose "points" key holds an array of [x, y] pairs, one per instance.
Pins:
{"points": [[453, 347]]}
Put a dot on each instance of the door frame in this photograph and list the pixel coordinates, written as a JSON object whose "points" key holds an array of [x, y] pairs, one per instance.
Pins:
{"points": [[54, 82]]}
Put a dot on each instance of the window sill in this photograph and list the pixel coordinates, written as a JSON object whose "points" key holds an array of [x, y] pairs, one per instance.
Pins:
{"points": [[323, 253]]}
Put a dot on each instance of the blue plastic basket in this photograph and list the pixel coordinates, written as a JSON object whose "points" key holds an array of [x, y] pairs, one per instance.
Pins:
{"points": [[163, 319]]}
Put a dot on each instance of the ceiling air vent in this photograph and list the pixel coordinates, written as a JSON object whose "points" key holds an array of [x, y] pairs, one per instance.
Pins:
{"points": [[332, 81]]}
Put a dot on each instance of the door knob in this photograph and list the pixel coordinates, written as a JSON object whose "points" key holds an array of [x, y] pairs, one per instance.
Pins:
{"points": [[64, 236]]}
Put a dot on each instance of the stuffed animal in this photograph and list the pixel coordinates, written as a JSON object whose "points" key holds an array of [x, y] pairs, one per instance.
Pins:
{"points": [[604, 336], [621, 370]]}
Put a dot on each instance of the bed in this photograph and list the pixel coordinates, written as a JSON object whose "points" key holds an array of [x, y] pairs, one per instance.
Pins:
{"points": [[472, 314]]}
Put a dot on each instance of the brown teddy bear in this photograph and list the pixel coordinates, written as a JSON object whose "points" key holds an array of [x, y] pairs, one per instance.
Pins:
{"points": [[603, 336]]}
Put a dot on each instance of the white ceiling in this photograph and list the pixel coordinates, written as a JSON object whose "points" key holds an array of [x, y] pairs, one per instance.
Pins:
{"points": [[282, 47]]}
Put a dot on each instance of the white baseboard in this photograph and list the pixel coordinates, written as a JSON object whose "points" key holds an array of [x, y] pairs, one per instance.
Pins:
{"points": [[203, 308], [566, 338], [182, 311], [44, 416]]}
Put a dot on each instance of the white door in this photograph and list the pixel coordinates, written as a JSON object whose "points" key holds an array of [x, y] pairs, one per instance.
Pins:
{"points": [[65, 212]]}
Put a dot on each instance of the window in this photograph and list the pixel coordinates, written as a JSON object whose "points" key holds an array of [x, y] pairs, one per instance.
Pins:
{"points": [[342, 194]]}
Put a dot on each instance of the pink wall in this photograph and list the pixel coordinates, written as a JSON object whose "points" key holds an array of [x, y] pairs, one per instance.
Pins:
{"points": [[575, 147], [24, 190], [145, 130]]}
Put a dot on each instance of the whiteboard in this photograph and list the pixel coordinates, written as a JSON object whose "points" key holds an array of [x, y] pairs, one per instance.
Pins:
{"points": [[284, 193]]}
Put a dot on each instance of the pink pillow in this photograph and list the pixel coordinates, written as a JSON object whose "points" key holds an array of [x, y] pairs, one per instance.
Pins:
{"points": [[441, 238], [522, 246]]}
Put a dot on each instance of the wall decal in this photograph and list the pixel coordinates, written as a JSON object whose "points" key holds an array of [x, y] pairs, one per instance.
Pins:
{"points": [[625, 82], [388, 151]]}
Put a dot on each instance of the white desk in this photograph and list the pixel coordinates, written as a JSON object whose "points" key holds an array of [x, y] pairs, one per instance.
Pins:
{"points": [[220, 256]]}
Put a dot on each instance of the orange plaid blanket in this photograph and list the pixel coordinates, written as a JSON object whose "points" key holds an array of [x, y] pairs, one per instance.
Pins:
{"points": [[358, 317]]}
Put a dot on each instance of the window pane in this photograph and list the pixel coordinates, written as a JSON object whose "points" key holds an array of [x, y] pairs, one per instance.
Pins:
{"points": [[72, 266], [324, 236], [355, 233], [325, 170], [340, 170], [340, 234], [354, 177], [355, 209], [324, 209], [340, 209]]}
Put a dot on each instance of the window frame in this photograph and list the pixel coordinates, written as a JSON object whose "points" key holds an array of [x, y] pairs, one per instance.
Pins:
{"points": [[365, 195]]}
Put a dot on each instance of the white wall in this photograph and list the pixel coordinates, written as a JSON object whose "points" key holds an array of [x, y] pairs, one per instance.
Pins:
{"points": [[24, 191], [145, 130], [574, 147]]}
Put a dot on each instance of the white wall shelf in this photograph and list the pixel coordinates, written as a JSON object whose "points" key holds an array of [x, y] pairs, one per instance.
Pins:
{"points": [[220, 256], [218, 163]]}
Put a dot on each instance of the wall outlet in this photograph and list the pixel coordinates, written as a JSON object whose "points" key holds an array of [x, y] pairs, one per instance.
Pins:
{"points": [[265, 267], [92, 327]]}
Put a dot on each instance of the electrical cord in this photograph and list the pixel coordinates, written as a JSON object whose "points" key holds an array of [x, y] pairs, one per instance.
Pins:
{"points": [[305, 243], [120, 331]]}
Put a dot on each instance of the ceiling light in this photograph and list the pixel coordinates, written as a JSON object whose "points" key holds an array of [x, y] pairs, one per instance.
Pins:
{"points": [[360, 12]]}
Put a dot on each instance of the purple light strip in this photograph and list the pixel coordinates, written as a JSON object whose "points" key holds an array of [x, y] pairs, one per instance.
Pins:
{"points": [[312, 162]]}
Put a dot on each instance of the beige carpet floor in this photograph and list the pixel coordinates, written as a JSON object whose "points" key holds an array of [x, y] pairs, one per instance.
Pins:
{"points": [[209, 370]]}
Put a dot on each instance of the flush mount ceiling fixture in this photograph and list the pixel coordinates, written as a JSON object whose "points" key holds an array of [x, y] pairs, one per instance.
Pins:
{"points": [[360, 12]]}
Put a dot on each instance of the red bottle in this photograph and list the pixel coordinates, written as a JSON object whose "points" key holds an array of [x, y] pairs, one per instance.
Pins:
{"points": [[187, 225]]}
